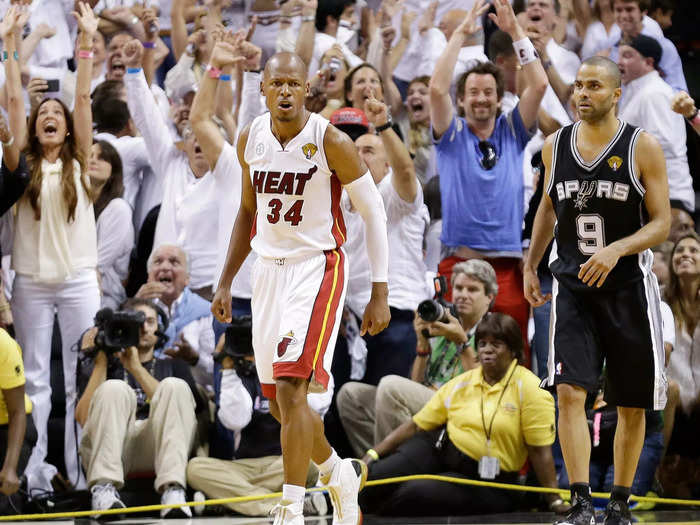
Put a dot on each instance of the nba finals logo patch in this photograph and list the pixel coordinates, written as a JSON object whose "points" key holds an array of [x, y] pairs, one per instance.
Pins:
{"points": [[287, 339], [309, 150], [615, 162]]}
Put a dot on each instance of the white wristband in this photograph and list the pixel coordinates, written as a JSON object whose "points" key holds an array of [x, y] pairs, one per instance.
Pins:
{"points": [[525, 51]]}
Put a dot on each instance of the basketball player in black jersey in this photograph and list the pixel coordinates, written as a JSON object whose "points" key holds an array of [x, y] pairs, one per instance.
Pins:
{"points": [[605, 203]]}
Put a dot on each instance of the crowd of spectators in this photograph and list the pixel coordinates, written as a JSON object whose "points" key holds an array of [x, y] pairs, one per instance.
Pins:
{"points": [[120, 185]]}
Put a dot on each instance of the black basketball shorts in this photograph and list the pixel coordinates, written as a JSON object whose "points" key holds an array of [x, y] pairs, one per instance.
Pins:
{"points": [[620, 329]]}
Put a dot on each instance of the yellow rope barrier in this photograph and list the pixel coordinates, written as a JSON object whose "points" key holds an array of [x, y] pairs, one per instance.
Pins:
{"points": [[243, 499]]}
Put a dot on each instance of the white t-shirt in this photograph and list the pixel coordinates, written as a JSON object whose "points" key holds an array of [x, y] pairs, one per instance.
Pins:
{"points": [[407, 225]]}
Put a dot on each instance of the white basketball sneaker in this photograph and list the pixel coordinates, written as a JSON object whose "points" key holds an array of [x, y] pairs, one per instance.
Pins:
{"points": [[287, 513], [346, 481]]}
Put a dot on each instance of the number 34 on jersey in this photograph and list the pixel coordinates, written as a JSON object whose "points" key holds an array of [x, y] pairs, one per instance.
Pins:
{"points": [[287, 183]]}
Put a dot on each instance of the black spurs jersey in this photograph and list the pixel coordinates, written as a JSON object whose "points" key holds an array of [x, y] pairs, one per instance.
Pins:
{"points": [[596, 203]]}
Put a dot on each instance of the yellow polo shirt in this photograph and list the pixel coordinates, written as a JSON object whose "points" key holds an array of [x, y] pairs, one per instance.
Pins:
{"points": [[11, 372], [524, 416]]}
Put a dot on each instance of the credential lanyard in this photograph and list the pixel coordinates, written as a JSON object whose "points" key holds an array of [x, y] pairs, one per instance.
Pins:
{"points": [[493, 417]]}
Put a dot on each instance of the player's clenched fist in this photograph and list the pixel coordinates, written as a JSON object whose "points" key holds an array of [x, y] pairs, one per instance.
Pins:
{"points": [[221, 305], [377, 315]]}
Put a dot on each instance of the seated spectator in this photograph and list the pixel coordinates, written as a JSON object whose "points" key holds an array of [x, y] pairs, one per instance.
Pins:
{"points": [[137, 414], [647, 104], [17, 432], [445, 349], [683, 295], [256, 465], [392, 350], [115, 233], [448, 436], [479, 159], [681, 224], [189, 336]]}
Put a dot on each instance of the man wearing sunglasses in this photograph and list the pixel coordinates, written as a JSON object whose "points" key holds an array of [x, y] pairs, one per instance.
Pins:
{"points": [[479, 157]]}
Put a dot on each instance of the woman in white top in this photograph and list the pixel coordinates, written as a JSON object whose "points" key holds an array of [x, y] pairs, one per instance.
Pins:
{"points": [[115, 232], [54, 252]]}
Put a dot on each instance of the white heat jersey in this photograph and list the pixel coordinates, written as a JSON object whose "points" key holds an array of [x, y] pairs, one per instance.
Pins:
{"points": [[298, 196]]}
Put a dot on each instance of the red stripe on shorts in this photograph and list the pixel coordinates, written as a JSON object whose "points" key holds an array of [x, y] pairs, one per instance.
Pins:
{"points": [[324, 309], [254, 228]]}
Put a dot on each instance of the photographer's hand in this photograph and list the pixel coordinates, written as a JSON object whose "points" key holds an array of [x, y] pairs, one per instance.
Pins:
{"points": [[182, 349], [451, 330], [130, 359], [419, 325]]}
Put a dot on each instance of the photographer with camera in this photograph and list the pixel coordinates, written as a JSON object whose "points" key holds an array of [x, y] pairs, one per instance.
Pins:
{"points": [[137, 412], [257, 462], [445, 349]]}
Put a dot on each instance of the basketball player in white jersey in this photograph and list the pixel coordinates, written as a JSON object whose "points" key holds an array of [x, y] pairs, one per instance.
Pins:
{"points": [[295, 165]]}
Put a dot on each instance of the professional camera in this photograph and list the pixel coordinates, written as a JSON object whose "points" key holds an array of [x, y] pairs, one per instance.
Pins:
{"points": [[117, 330], [432, 310], [238, 345]]}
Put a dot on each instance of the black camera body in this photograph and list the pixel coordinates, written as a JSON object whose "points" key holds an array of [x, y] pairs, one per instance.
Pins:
{"points": [[239, 345], [432, 310], [117, 330]]}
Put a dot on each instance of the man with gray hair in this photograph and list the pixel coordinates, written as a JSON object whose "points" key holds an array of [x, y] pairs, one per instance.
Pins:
{"points": [[445, 349], [190, 334]]}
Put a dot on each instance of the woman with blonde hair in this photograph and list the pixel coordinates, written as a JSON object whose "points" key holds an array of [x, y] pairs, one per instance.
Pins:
{"points": [[54, 252]]}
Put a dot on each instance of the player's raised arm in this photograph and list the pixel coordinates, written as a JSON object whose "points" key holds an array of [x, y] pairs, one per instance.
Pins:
{"points": [[651, 166], [239, 245], [345, 162], [542, 233]]}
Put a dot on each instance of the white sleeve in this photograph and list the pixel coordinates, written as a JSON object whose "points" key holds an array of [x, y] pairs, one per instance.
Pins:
{"points": [[251, 102], [668, 325], [149, 120], [368, 202], [200, 335], [235, 404]]}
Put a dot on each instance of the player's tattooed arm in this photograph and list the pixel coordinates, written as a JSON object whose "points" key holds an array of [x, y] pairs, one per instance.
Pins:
{"points": [[651, 165], [542, 233], [239, 245]]}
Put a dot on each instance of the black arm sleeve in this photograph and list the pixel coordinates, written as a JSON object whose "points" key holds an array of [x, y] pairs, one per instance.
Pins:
{"points": [[13, 183]]}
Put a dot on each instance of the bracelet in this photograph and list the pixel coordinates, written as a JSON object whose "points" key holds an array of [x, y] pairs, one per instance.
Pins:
{"points": [[384, 126], [693, 117], [525, 51], [308, 18], [148, 45], [225, 77], [133, 70], [373, 454], [212, 71], [9, 142], [15, 55], [83, 53]]}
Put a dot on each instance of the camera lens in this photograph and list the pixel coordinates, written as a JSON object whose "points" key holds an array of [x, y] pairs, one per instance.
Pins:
{"points": [[430, 311]]}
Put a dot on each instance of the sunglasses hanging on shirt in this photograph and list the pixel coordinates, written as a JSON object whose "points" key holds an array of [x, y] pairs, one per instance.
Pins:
{"points": [[489, 157]]}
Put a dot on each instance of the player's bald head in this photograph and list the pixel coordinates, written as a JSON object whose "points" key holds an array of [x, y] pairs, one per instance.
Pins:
{"points": [[610, 70], [285, 63]]}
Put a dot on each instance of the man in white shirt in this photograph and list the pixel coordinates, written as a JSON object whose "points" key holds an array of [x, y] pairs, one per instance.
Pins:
{"points": [[388, 160], [647, 103]]}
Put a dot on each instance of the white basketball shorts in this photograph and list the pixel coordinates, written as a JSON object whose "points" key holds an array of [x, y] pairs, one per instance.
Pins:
{"points": [[297, 307]]}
